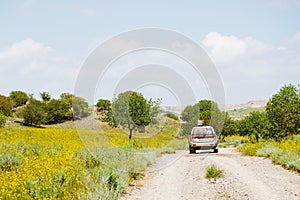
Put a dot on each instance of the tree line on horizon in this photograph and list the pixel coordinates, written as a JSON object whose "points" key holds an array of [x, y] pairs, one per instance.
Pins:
{"points": [[130, 110]]}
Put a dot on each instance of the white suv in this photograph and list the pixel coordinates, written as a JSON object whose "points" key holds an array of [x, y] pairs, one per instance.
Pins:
{"points": [[203, 138]]}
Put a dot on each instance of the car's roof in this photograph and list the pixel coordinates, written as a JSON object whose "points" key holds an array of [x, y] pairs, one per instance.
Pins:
{"points": [[203, 127]]}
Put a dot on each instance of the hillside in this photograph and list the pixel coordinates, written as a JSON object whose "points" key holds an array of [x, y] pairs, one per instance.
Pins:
{"points": [[239, 111], [236, 111], [248, 105]]}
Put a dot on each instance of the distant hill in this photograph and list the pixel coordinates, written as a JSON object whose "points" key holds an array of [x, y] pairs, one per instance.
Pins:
{"points": [[236, 111], [240, 111], [250, 104]]}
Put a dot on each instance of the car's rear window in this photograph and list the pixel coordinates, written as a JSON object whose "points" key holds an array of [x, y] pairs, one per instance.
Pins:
{"points": [[202, 131]]}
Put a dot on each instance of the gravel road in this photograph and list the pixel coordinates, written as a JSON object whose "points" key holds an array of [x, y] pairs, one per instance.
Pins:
{"points": [[181, 176]]}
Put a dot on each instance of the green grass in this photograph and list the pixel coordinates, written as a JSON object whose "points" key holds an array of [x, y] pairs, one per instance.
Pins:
{"points": [[233, 141], [212, 171]]}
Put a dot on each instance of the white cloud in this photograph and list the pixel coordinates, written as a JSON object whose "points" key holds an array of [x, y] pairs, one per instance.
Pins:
{"points": [[247, 64], [25, 50], [33, 66], [225, 49]]}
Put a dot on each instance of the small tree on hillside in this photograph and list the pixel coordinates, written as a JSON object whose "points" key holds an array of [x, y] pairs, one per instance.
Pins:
{"points": [[80, 107], [131, 110], [56, 111], [190, 112], [33, 113], [104, 109], [2, 120], [77, 106], [283, 112], [154, 110], [5, 106], [18, 98], [45, 96]]}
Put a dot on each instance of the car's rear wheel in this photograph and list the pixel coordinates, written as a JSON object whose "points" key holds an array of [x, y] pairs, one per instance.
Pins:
{"points": [[192, 150], [216, 150]]}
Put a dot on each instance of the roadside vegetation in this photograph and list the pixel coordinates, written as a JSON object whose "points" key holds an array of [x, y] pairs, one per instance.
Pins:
{"points": [[52, 163], [38, 161], [272, 132]]}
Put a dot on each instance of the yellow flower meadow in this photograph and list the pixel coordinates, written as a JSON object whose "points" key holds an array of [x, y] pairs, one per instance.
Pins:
{"points": [[52, 163]]}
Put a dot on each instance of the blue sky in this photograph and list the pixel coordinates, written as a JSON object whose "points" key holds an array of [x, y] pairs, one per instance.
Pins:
{"points": [[255, 44]]}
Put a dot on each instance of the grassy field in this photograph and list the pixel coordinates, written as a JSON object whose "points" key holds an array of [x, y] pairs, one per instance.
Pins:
{"points": [[54, 163]]}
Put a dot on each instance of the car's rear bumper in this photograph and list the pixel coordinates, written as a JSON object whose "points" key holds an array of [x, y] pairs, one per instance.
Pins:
{"points": [[204, 145]]}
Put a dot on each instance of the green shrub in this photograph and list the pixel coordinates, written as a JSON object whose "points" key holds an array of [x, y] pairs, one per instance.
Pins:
{"points": [[250, 149], [18, 98], [212, 171], [33, 113], [8, 162], [5, 106], [235, 141], [90, 160], [285, 153], [172, 116], [267, 151], [2, 120]]}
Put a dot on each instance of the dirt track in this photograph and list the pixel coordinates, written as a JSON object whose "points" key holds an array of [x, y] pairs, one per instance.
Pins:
{"points": [[181, 176]]}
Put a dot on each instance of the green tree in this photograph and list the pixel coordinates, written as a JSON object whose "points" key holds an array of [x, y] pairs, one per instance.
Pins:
{"points": [[80, 107], [66, 95], [154, 110], [283, 112], [45, 96], [18, 98], [5, 106], [131, 110], [103, 104], [211, 114], [206, 110], [104, 109], [190, 112], [230, 127], [77, 106], [67, 99], [255, 125], [2, 120], [56, 111], [33, 113], [186, 127]]}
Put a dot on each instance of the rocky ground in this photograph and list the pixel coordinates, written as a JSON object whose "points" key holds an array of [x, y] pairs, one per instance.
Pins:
{"points": [[182, 176]]}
